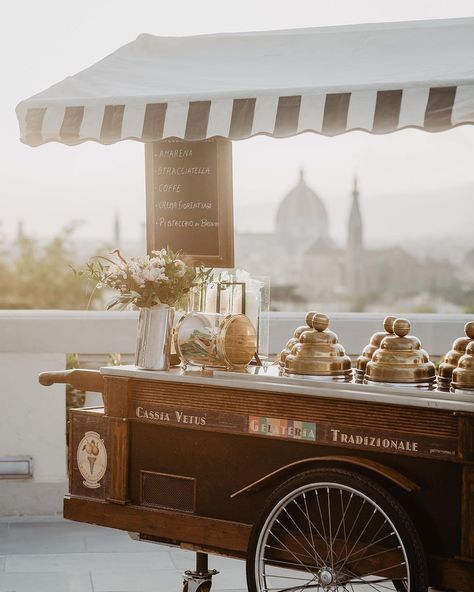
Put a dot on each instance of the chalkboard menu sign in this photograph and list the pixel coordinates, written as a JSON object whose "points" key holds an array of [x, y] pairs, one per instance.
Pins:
{"points": [[189, 200]]}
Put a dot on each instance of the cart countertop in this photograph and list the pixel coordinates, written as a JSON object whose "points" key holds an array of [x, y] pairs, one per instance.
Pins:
{"points": [[268, 379]]}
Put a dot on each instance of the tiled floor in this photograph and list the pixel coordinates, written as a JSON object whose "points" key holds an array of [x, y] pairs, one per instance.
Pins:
{"points": [[55, 555]]}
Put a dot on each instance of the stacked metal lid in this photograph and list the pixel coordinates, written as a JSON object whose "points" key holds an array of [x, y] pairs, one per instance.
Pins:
{"points": [[463, 374], [452, 358], [296, 338], [370, 349], [392, 357], [316, 351], [401, 360]]}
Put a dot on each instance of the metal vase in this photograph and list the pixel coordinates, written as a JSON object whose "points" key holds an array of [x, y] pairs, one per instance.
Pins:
{"points": [[155, 329]]}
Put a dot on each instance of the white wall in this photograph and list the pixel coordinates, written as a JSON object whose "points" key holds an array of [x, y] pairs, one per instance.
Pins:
{"points": [[32, 423], [32, 417]]}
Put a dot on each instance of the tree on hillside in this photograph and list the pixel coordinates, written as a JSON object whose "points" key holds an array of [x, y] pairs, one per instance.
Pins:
{"points": [[42, 277]]}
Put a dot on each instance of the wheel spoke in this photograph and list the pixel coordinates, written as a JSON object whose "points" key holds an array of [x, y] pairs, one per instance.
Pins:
{"points": [[291, 552], [316, 556], [295, 553], [291, 534], [373, 573], [280, 561], [354, 523], [377, 554], [375, 584], [372, 542], [365, 548], [309, 521], [359, 581], [331, 551], [359, 537], [293, 588], [280, 577], [342, 521], [322, 520], [316, 529]]}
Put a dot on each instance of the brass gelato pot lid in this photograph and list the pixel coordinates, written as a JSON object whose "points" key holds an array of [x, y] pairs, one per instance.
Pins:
{"points": [[296, 337], [237, 340], [289, 346], [400, 359], [373, 345], [303, 328], [451, 359], [463, 375], [318, 352]]}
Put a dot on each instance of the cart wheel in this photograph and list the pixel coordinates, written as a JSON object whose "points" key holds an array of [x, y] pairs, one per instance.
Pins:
{"points": [[331, 530], [205, 587]]}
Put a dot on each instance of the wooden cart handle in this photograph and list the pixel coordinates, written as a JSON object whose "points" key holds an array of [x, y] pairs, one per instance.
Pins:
{"points": [[84, 380]]}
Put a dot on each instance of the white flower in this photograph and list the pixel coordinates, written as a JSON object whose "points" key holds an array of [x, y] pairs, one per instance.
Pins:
{"points": [[157, 262], [160, 253], [154, 274], [180, 267], [115, 271], [138, 279]]}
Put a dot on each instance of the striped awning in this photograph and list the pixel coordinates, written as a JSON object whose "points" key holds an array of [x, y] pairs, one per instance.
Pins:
{"points": [[378, 77]]}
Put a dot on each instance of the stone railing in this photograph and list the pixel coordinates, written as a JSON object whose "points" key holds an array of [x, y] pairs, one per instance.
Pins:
{"points": [[32, 418]]}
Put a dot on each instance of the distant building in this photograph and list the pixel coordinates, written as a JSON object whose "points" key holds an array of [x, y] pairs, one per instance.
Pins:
{"points": [[301, 222], [117, 232], [305, 264], [355, 260]]}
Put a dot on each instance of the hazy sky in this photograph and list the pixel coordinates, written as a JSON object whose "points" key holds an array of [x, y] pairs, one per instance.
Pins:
{"points": [[47, 187]]}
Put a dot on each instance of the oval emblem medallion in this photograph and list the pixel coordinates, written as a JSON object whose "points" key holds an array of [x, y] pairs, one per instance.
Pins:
{"points": [[92, 459]]}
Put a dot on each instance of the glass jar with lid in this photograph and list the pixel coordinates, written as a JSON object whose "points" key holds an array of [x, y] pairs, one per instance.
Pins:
{"points": [[215, 340]]}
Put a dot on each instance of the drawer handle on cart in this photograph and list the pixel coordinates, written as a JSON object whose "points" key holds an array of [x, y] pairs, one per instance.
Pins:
{"points": [[84, 380]]}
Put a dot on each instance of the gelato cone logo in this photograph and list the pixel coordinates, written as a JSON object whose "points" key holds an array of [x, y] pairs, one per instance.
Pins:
{"points": [[92, 459]]}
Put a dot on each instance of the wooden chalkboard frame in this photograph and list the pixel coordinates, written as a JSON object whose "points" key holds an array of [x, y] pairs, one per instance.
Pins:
{"points": [[225, 257]]}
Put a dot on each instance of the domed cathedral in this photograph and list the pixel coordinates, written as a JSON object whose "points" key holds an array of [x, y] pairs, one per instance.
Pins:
{"points": [[301, 222], [302, 218], [300, 255]]}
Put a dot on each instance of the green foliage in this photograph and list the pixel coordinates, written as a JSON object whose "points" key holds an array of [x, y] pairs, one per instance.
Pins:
{"points": [[34, 276]]}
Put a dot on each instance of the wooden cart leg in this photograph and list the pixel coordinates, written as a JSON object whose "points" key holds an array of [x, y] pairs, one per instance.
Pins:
{"points": [[199, 580]]}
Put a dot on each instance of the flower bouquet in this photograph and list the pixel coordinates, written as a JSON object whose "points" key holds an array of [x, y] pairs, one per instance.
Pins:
{"points": [[156, 284], [161, 278]]}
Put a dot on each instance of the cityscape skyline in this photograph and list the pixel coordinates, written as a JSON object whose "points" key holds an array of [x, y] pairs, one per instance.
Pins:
{"points": [[261, 217]]}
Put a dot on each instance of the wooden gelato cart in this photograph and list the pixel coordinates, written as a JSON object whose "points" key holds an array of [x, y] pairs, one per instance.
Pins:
{"points": [[319, 485], [298, 477]]}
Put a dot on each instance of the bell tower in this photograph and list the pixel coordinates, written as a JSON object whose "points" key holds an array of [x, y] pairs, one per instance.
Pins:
{"points": [[355, 265]]}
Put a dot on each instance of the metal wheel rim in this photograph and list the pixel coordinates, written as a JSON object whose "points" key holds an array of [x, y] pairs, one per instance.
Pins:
{"points": [[362, 586]]}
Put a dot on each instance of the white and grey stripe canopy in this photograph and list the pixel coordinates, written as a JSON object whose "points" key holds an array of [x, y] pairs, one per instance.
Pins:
{"points": [[377, 77]]}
